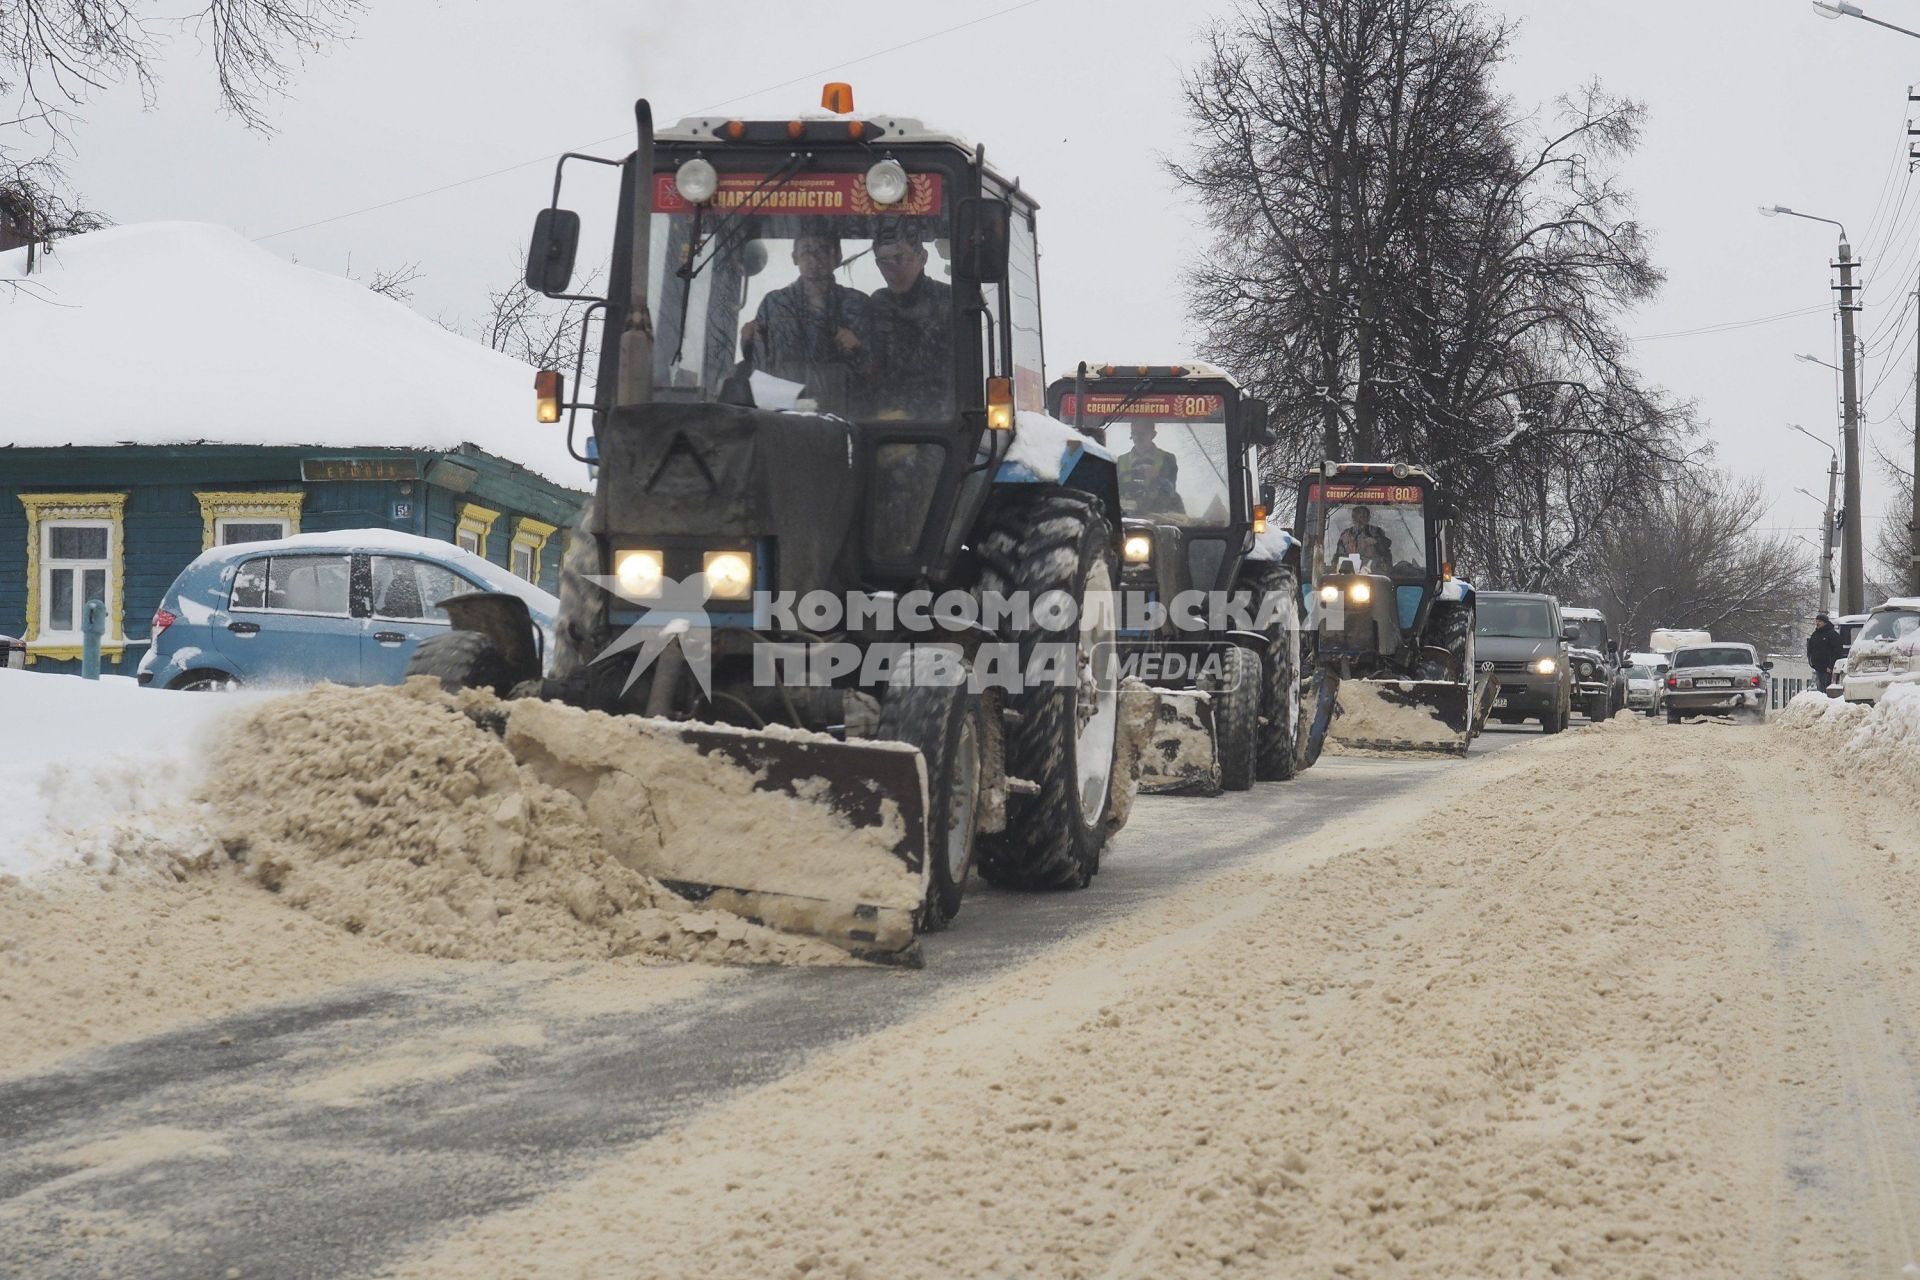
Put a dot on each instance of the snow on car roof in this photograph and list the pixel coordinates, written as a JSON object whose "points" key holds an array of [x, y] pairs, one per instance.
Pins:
{"points": [[188, 333], [391, 540], [1897, 602]]}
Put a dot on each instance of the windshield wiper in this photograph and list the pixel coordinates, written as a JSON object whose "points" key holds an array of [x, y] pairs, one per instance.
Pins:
{"points": [[694, 265], [1139, 389]]}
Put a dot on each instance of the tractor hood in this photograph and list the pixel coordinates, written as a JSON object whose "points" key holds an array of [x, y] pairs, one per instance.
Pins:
{"points": [[693, 471]]}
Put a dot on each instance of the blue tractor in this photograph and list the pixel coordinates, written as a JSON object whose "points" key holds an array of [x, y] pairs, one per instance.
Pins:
{"points": [[831, 536]]}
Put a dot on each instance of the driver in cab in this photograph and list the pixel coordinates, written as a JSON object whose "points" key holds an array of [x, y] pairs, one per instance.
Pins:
{"points": [[814, 330], [1149, 474], [1366, 540]]}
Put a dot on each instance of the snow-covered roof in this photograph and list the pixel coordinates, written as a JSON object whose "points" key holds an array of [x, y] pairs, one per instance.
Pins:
{"points": [[1899, 602], [1581, 614], [892, 128], [188, 333], [1190, 369]]}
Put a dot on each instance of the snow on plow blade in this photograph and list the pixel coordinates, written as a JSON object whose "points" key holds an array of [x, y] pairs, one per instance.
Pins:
{"points": [[796, 831], [1180, 757], [1403, 715]]}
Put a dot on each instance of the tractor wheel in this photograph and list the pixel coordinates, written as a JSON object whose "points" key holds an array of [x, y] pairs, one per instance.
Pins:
{"points": [[1054, 545], [460, 660], [943, 721], [580, 628], [1316, 713], [1236, 718], [1277, 756]]}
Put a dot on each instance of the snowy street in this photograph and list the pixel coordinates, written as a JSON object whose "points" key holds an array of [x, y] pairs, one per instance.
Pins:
{"points": [[1656, 1019]]}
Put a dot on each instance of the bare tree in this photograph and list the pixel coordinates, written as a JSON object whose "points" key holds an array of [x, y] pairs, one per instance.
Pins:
{"points": [[1404, 270], [535, 329], [56, 54], [395, 283], [1697, 556]]}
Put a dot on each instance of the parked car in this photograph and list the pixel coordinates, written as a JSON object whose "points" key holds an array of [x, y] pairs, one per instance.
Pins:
{"points": [[1646, 685], [1848, 625], [1716, 679], [1522, 636], [1886, 652], [347, 607]]}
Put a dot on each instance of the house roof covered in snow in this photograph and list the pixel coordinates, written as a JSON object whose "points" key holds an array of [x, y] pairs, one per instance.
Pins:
{"points": [[188, 333]]}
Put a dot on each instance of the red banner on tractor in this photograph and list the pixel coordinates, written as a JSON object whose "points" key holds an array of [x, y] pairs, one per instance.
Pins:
{"points": [[1334, 495], [1160, 408], [819, 194]]}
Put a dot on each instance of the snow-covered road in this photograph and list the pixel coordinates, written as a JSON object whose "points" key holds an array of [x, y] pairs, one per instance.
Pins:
{"points": [[1637, 1000]]}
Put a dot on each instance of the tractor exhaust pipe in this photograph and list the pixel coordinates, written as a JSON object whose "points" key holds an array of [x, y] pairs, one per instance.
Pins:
{"points": [[636, 331]]}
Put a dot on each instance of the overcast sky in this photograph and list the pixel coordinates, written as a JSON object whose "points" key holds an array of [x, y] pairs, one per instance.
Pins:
{"points": [[1750, 102]]}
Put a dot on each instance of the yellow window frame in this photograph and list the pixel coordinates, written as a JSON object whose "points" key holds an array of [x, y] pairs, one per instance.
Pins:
{"points": [[45, 508], [478, 521], [531, 534], [274, 504]]}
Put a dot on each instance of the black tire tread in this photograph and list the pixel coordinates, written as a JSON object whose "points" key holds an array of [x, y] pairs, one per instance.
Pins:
{"points": [[1276, 758], [1045, 845], [460, 660], [1236, 719]]}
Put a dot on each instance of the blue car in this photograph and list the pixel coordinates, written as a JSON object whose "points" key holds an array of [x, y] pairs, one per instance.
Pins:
{"points": [[347, 607]]}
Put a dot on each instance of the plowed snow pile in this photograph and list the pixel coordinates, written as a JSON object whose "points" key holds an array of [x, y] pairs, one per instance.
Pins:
{"points": [[1879, 743], [397, 816], [335, 818]]}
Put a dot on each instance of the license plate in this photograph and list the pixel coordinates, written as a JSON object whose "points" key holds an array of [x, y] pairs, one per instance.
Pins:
{"points": [[1713, 684], [1499, 704]]}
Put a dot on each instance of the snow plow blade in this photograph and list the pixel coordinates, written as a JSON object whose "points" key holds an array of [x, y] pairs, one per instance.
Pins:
{"points": [[1180, 758], [1404, 715], [856, 878]]}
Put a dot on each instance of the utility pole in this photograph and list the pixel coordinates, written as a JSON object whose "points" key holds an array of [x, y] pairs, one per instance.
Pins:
{"points": [[1853, 587], [1913, 494]]}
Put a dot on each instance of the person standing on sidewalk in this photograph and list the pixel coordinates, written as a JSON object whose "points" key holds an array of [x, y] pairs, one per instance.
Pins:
{"points": [[1824, 648]]}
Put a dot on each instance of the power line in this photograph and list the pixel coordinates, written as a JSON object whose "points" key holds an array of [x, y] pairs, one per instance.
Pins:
{"points": [[1727, 326], [600, 142]]}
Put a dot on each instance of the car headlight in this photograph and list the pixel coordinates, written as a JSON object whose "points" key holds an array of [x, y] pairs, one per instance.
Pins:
{"points": [[1545, 666], [729, 574], [1361, 592], [1330, 594], [1137, 548], [639, 573]]}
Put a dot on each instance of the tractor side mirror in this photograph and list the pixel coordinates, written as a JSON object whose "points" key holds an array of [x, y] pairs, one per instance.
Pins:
{"points": [[1258, 429], [1767, 666], [1570, 631], [753, 258], [1269, 495], [983, 230], [556, 239], [1613, 648]]}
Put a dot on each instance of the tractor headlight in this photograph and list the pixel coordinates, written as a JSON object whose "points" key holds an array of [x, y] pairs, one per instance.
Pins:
{"points": [[729, 574], [1545, 666], [1137, 549], [1586, 671], [1360, 592], [696, 181], [1330, 594], [887, 182], [639, 573]]}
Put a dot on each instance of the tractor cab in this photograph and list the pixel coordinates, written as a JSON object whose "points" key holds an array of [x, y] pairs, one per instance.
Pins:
{"points": [[1186, 441], [1374, 558]]}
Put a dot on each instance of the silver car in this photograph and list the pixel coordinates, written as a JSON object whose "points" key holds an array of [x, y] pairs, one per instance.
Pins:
{"points": [[1716, 680]]}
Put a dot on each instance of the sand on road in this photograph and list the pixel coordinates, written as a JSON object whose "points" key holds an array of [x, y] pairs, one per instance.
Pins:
{"points": [[1637, 1001]]}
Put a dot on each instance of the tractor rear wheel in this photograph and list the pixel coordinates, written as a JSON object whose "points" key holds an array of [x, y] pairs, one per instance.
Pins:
{"points": [[1055, 545], [943, 721]]}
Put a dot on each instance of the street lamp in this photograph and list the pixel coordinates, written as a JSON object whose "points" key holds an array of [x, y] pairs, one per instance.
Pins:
{"points": [[1844, 9], [1853, 587], [1817, 360], [1826, 526]]}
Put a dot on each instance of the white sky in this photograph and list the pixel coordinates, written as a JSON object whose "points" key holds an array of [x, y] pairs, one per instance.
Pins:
{"points": [[1751, 102]]}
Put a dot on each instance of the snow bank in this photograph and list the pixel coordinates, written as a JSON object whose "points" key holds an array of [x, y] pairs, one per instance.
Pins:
{"points": [[1878, 745], [186, 332], [85, 755]]}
